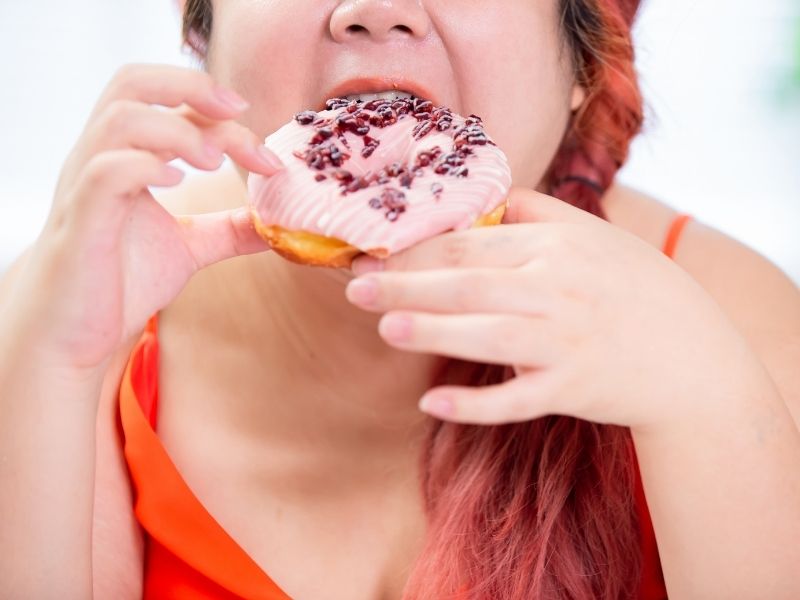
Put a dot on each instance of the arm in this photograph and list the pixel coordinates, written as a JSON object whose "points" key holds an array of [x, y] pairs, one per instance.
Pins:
{"points": [[47, 467], [724, 490]]}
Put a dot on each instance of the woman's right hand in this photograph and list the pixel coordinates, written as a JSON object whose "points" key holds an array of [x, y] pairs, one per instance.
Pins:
{"points": [[109, 255]]}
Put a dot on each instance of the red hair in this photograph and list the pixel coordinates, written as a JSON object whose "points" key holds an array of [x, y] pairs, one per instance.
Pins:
{"points": [[542, 509]]}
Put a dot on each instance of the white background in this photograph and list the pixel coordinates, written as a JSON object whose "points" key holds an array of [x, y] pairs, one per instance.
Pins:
{"points": [[722, 141]]}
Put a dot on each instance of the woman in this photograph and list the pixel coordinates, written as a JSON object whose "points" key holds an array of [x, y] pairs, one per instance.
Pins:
{"points": [[290, 445]]}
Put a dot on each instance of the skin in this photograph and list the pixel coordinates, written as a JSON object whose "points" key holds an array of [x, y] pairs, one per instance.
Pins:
{"points": [[302, 443]]}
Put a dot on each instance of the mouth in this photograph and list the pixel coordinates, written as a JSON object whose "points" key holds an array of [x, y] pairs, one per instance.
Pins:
{"points": [[372, 88]]}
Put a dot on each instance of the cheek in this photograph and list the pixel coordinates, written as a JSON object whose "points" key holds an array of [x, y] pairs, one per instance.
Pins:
{"points": [[267, 56], [517, 79]]}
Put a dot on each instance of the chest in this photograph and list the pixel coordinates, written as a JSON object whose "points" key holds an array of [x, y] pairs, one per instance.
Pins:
{"points": [[316, 537]]}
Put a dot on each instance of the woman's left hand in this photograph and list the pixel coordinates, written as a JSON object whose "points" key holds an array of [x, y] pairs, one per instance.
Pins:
{"points": [[597, 323]]}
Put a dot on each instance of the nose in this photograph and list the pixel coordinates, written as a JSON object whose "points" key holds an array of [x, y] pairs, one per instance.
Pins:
{"points": [[379, 20]]}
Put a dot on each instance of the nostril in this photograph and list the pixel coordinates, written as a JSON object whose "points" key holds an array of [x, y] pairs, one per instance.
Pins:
{"points": [[359, 29]]}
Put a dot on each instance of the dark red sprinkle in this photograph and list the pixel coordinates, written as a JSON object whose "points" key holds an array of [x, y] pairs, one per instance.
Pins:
{"points": [[375, 203], [374, 104], [461, 171], [345, 121], [422, 129], [319, 177], [422, 116], [342, 175], [356, 184], [422, 105], [401, 107], [306, 117], [353, 106], [335, 103], [370, 145], [376, 121]]}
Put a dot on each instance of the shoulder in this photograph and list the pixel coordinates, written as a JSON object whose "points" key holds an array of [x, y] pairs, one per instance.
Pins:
{"points": [[759, 299]]}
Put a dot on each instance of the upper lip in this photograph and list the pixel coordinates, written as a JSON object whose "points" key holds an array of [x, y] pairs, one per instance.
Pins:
{"points": [[367, 85]]}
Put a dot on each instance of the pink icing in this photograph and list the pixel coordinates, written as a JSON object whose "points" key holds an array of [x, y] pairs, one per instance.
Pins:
{"points": [[431, 203]]}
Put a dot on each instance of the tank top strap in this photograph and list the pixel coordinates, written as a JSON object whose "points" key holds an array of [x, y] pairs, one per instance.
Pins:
{"points": [[674, 233]]}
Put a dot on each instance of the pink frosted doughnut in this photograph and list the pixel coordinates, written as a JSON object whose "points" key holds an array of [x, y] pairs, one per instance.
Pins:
{"points": [[376, 177]]}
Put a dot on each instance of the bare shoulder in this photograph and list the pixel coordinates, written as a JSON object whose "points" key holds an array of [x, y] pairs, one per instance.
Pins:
{"points": [[760, 300]]}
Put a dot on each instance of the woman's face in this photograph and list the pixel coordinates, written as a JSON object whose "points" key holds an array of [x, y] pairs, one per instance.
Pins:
{"points": [[505, 62]]}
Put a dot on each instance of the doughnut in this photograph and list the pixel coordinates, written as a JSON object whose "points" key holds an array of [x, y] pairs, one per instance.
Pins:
{"points": [[376, 177]]}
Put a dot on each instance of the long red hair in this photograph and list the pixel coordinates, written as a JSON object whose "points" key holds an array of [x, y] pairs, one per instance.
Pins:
{"points": [[542, 509]]}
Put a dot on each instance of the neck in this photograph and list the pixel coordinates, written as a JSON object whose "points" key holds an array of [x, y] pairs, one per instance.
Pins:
{"points": [[307, 365], [302, 362]]}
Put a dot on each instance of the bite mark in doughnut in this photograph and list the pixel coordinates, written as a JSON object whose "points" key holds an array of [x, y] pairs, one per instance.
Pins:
{"points": [[376, 177]]}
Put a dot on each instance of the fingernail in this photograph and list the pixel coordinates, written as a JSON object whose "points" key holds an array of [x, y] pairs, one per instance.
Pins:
{"points": [[366, 264], [268, 157], [395, 328], [437, 405], [230, 98], [362, 291]]}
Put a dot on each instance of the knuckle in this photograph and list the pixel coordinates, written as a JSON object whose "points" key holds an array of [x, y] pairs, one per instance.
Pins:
{"points": [[473, 290], [454, 249], [126, 78], [96, 171], [518, 404], [506, 335], [118, 117], [550, 246]]}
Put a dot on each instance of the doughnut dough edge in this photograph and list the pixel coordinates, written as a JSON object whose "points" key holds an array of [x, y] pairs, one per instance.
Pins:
{"points": [[313, 249]]}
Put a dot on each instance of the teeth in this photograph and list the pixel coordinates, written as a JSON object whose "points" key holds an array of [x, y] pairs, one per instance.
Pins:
{"points": [[387, 95]]}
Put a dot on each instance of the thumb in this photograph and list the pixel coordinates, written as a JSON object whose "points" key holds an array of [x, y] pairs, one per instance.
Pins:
{"points": [[212, 237], [529, 206]]}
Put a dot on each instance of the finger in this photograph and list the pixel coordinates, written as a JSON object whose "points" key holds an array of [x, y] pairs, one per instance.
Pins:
{"points": [[496, 339], [498, 246], [170, 134], [213, 237], [130, 124], [122, 173], [237, 141], [169, 85], [528, 206], [519, 399], [108, 185], [468, 290]]}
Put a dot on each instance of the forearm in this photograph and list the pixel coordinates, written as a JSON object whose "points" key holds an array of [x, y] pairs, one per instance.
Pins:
{"points": [[47, 446], [723, 490]]}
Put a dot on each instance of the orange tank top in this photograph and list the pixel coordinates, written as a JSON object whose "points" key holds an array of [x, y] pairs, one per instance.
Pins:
{"points": [[188, 555]]}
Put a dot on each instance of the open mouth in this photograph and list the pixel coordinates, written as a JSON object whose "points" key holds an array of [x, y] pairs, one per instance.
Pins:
{"points": [[367, 89], [389, 95]]}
